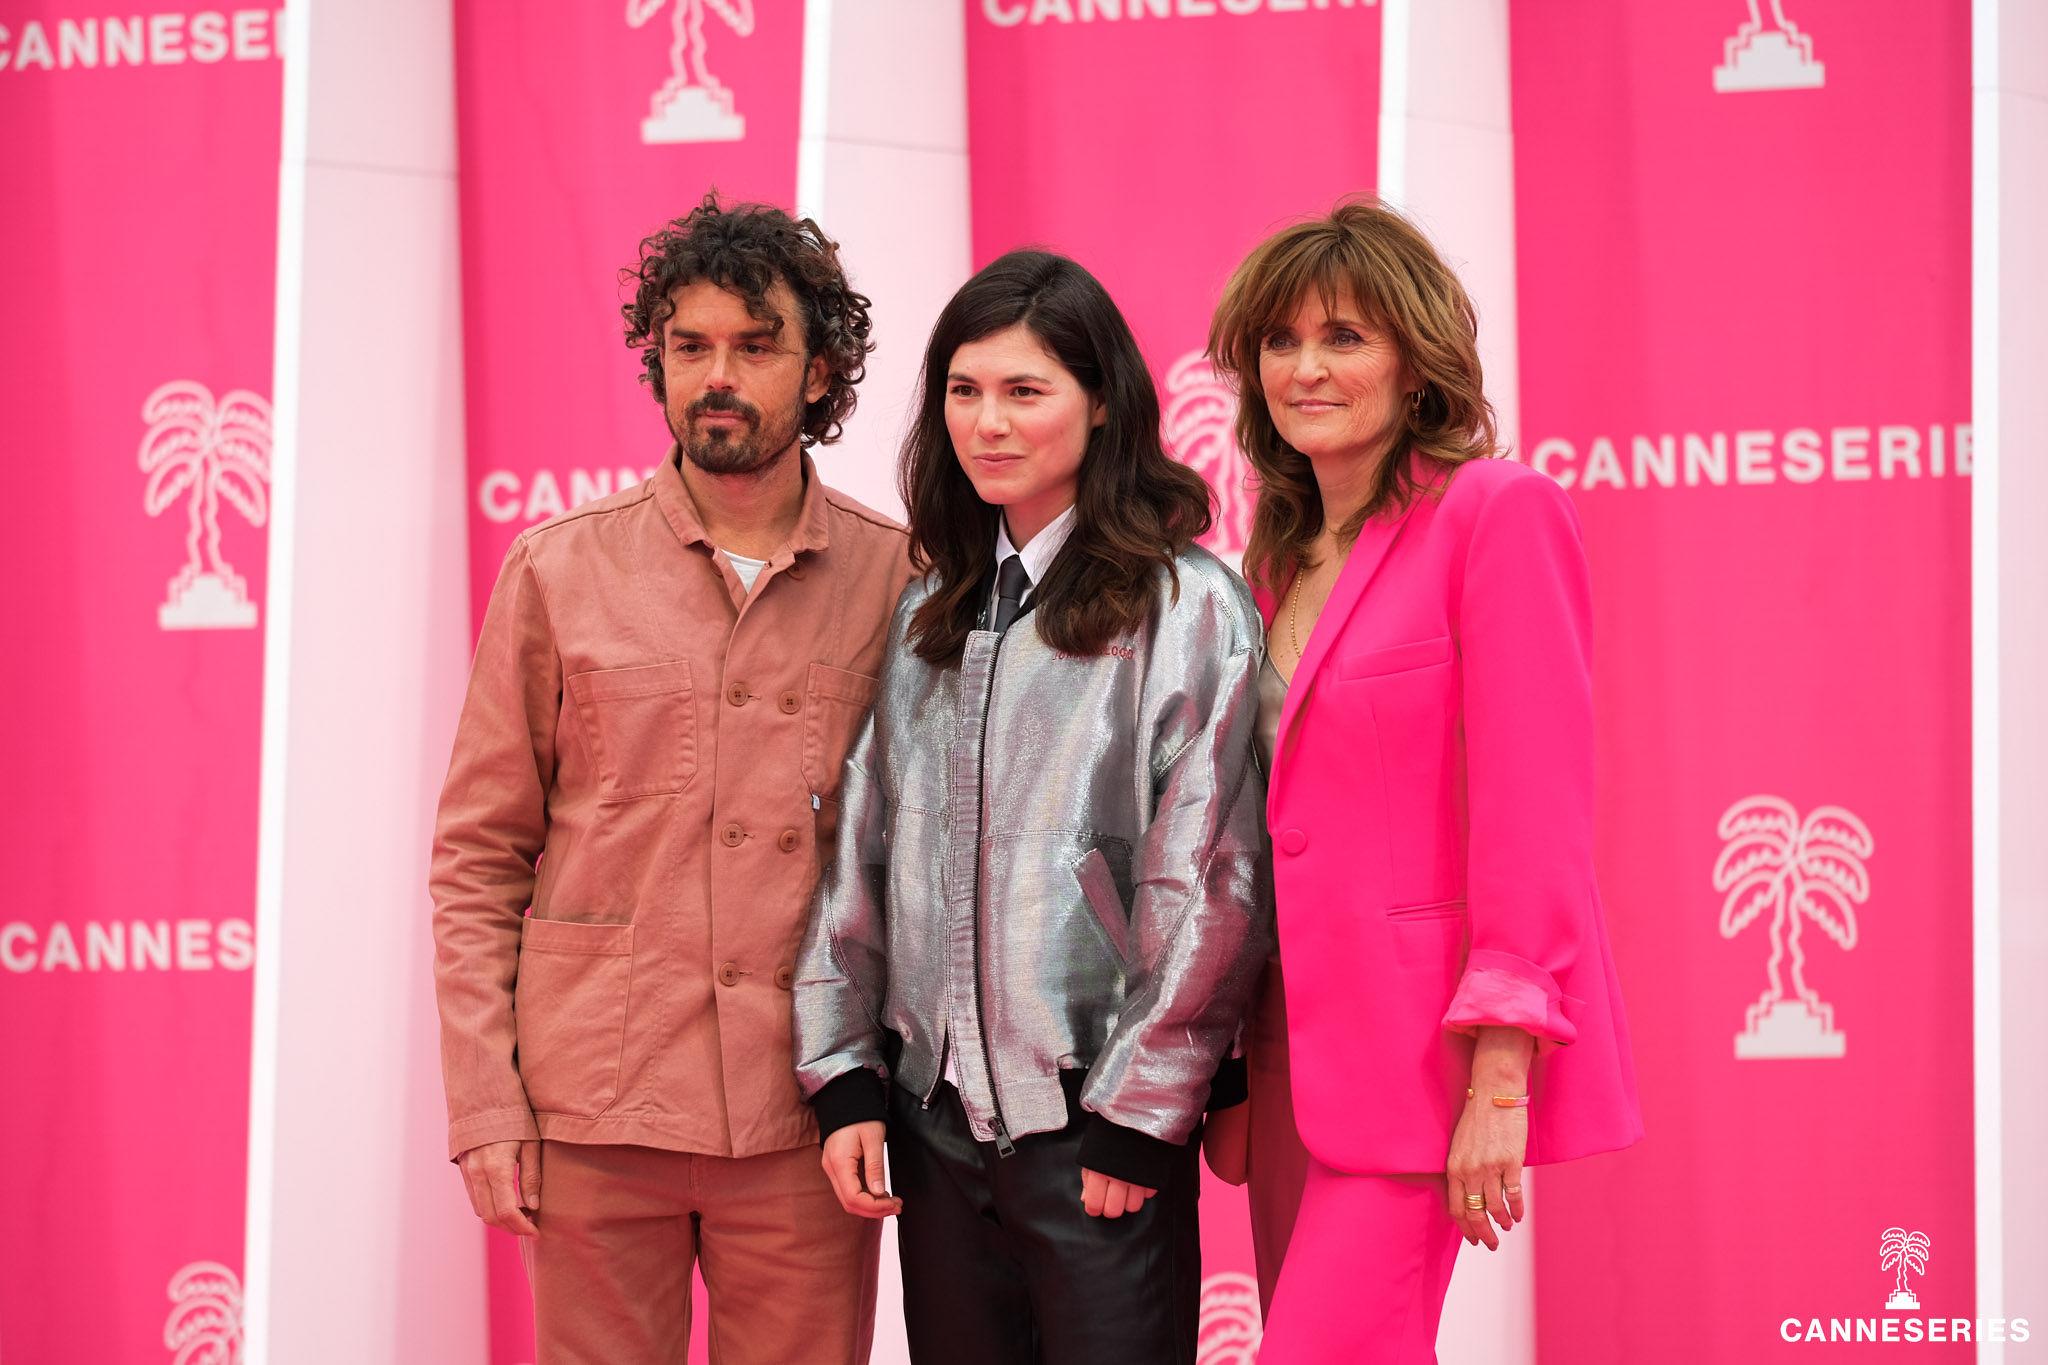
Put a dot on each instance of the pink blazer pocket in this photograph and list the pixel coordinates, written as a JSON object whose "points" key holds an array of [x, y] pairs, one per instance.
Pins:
{"points": [[1377, 663]]}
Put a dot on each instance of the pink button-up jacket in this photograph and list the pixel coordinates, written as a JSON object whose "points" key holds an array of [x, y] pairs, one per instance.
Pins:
{"points": [[1431, 807], [649, 756]]}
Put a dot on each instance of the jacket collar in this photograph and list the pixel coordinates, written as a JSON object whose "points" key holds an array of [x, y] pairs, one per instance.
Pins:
{"points": [[813, 523], [1375, 540]]}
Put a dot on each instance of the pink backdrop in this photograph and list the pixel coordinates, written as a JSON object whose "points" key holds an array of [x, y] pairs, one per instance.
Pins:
{"points": [[578, 140], [136, 261], [1150, 149], [1745, 348]]}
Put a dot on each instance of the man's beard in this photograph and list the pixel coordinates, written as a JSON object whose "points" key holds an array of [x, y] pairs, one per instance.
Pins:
{"points": [[745, 449]]}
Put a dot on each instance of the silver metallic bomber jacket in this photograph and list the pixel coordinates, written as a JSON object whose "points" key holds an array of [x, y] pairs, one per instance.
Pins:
{"points": [[1049, 863]]}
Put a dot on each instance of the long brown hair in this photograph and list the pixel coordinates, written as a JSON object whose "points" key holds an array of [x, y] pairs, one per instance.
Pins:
{"points": [[1135, 510], [1405, 289]]}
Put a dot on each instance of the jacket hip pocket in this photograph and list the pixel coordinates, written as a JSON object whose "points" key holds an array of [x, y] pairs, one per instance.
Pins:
{"points": [[1106, 903], [641, 725], [569, 1009]]}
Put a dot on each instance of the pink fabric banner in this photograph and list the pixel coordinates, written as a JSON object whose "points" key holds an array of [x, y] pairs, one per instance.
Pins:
{"points": [[1148, 140], [137, 257], [1744, 255], [585, 128]]}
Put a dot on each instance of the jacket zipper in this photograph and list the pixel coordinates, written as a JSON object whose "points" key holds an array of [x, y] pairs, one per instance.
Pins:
{"points": [[1004, 1147]]}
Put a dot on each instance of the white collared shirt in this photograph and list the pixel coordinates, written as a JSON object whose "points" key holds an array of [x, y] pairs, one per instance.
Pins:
{"points": [[1038, 555]]}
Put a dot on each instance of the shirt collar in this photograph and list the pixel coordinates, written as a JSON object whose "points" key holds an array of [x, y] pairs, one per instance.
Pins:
{"points": [[673, 496], [1043, 549]]}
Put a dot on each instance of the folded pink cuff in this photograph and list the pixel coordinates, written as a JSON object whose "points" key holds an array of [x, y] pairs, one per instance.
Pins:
{"points": [[1502, 989]]}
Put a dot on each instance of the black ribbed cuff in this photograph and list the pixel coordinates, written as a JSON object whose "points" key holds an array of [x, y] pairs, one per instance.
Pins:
{"points": [[856, 1096], [1230, 1086], [1126, 1154]]}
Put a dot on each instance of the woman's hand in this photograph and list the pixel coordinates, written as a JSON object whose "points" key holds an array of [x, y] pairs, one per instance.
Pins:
{"points": [[1490, 1141], [1104, 1197], [853, 1163], [1226, 1142]]}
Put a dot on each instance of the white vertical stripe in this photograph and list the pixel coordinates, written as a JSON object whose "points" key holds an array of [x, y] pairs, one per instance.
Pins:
{"points": [[1395, 22], [1985, 658], [815, 110], [277, 653]]}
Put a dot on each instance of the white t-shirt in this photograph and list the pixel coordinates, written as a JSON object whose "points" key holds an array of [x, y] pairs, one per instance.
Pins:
{"points": [[747, 569]]}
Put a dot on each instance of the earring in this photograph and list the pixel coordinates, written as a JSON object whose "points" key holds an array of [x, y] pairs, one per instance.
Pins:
{"points": [[1415, 403]]}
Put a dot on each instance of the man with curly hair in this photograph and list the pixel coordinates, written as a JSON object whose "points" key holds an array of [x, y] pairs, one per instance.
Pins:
{"points": [[665, 686]]}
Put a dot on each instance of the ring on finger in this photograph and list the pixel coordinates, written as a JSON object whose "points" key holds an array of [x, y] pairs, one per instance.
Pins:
{"points": [[1511, 1189], [1476, 1202]]}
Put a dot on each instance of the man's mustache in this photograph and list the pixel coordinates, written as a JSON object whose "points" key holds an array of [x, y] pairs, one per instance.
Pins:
{"points": [[725, 402]]}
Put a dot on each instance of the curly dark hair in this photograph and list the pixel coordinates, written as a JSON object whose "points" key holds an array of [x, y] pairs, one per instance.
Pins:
{"points": [[746, 249]]}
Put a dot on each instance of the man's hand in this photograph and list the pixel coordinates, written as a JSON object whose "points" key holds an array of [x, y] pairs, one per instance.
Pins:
{"points": [[504, 1181], [1103, 1197], [853, 1163]]}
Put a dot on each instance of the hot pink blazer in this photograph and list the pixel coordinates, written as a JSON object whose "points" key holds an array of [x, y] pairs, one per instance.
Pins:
{"points": [[1431, 806]]}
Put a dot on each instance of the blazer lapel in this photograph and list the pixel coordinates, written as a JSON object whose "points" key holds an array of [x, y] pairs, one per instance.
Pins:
{"points": [[1368, 552]]}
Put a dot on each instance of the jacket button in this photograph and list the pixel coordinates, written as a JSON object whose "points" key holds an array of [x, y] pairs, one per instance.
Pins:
{"points": [[788, 842], [791, 703], [728, 974], [785, 977], [1293, 841], [737, 694], [733, 836]]}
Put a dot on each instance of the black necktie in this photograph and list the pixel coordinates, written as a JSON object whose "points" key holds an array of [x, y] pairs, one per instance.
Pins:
{"points": [[1011, 585]]}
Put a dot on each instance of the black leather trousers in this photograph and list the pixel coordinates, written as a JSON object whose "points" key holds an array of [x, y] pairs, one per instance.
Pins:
{"points": [[1002, 1265]]}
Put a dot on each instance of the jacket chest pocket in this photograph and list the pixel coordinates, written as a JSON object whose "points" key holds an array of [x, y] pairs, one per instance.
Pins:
{"points": [[641, 725], [836, 701], [1411, 692]]}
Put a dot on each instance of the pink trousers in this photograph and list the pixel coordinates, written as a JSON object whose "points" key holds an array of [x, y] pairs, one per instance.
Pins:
{"points": [[1365, 1274], [1352, 1268]]}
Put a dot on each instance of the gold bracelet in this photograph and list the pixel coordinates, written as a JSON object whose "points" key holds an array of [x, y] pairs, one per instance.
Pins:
{"points": [[1504, 1101]]}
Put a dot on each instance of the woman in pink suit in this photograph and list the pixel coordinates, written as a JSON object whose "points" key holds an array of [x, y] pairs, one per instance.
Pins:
{"points": [[1450, 1012]]}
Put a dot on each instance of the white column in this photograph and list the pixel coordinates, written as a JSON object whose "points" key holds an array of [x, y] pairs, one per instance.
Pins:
{"points": [[2009, 651], [882, 165], [1447, 160], [361, 1245]]}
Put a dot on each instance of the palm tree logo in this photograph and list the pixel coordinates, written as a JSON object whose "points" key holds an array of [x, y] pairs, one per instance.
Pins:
{"points": [[1773, 57], [1899, 1251], [206, 451], [1201, 432], [1799, 870], [1228, 1329], [205, 1325], [692, 106]]}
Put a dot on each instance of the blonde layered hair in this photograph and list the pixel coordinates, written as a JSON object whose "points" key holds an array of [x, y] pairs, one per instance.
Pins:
{"points": [[1404, 288]]}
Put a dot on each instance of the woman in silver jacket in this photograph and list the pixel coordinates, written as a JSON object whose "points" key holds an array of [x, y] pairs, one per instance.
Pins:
{"points": [[1049, 903]]}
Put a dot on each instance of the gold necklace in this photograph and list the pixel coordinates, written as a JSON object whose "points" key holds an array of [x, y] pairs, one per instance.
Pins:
{"points": [[1294, 616]]}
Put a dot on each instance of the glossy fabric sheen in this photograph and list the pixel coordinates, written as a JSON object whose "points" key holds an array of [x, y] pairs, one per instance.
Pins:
{"points": [[1055, 862]]}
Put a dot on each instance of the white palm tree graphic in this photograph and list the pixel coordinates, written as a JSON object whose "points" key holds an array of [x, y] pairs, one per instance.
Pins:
{"points": [[687, 55], [1899, 1250], [1799, 870], [1201, 432], [205, 451], [205, 1325]]}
